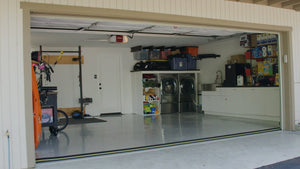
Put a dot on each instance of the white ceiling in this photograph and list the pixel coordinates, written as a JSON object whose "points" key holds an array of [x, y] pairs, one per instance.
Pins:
{"points": [[67, 32], [54, 39]]}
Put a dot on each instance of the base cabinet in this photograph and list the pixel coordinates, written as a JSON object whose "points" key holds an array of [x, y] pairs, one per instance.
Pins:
{"points": [[249, 102]]}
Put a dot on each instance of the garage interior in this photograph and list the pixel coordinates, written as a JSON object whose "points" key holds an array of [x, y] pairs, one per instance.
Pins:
{"points": [[213, 106]]}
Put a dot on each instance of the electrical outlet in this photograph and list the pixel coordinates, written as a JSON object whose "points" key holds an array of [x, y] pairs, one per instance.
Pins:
{"points": [[285, 58]]}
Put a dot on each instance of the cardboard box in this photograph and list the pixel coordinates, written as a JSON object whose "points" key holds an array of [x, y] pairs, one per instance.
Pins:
{"points": [[253, 40], [238, 59], [175, 52]]}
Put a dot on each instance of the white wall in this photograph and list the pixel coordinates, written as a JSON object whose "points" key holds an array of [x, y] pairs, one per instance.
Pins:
{"points": [[209, 66], [11, 56], [65, 76]]}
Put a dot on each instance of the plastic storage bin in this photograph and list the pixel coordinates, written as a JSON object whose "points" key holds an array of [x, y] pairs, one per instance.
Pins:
{"points": [[191, 63], [154, 55], [190, 50], [141, 55], [179, 63], [164, 54]]}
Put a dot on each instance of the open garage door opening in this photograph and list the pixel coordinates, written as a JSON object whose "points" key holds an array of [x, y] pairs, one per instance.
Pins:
{"points": [[156, 84]]}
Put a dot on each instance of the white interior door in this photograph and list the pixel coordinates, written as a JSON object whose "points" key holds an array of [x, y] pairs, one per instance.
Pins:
{"points": [[109, 83], [104, 83]]}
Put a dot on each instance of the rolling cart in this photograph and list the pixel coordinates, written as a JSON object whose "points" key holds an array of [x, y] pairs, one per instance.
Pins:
{"points": [[50, 114]]}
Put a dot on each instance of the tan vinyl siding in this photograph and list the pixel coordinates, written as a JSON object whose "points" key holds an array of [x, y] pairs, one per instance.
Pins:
{"points": [[12, 96]]}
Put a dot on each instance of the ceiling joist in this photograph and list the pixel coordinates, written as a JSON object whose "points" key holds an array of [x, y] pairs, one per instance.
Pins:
{"points": [[296, 7], [273, 2], [287, 4], [290, 3], [256, 1]]}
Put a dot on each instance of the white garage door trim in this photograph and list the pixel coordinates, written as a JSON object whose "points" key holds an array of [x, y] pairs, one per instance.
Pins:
{"points": [[287, 85]]}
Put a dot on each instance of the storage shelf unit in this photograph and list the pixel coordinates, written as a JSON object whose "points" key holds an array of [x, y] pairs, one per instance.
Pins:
{"points": [[137, 87], [266, 67]]}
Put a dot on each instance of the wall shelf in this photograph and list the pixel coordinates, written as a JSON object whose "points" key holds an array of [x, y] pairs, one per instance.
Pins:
{"points": [[168, 71], [265, 75], [265, 44], [263, 57]]}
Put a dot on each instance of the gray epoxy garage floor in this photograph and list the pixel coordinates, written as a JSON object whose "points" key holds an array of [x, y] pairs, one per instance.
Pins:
{"points": [[129, 131], [245, 152]]}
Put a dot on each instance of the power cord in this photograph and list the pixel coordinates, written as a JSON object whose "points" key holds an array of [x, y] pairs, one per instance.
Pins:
{"points": [[8, 147]]}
